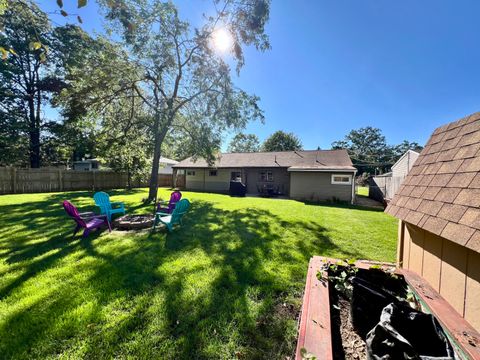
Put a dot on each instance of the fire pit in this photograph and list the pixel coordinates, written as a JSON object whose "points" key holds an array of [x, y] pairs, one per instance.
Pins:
{"points": [[134, 222]]}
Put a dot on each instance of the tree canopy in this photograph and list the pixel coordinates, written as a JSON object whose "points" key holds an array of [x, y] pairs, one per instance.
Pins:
{"points": [[282, 141], [244, 143], [369, 150]]}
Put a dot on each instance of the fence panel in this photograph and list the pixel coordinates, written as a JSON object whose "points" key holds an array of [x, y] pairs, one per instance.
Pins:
{"points": [[13, 180]]}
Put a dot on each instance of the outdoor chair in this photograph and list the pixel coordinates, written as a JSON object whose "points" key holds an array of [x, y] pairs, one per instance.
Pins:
{"points": [[167, 207], [87, 221], [102, 200], [169, 220]]}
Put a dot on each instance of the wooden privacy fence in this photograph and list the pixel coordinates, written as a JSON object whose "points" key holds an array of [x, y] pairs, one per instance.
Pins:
{"points": [[13, 180], [383, 187]]}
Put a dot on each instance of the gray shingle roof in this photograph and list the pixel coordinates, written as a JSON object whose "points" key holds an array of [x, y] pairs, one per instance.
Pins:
{"points": [[296, 160], [441, 193]]}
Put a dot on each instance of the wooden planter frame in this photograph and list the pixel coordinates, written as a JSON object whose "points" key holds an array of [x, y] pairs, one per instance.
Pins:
{"points": [[315, 336]]}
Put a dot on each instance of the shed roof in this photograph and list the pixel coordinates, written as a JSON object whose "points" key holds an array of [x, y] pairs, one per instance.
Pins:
{"points": [[441, 193], [306, 159]]}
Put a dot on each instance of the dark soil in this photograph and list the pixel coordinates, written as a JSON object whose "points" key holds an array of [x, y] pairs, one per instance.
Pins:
{"points": [[347, 344]]}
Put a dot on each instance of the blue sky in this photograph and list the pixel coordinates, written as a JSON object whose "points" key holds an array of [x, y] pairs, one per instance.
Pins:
{"points": [[336, 65]]}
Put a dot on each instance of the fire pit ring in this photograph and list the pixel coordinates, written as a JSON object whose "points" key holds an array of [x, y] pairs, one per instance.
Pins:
{"points": [[134, 222]]}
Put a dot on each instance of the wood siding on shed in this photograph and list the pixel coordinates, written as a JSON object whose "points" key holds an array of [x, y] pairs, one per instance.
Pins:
{"points": [[451, 269]]}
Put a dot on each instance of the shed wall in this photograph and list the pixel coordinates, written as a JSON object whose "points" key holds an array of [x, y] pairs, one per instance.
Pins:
{"points": [[451, 269]]}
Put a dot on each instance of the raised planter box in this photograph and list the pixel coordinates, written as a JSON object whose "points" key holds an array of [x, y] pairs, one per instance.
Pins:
{"points": [[315, 329]]}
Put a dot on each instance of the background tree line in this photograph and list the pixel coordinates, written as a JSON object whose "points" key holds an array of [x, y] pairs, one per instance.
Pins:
{"points": [[366, 146]]}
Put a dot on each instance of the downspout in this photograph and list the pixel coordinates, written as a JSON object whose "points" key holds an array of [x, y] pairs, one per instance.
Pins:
{"points": [[353, 187]]}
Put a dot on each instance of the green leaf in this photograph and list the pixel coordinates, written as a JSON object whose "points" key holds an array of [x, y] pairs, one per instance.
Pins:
{"points": [[43, 57], [60, 3], [35, 45], [64, 13], [319, 275], [82, 3], [13, 52], [4, 53], [79, 19]]}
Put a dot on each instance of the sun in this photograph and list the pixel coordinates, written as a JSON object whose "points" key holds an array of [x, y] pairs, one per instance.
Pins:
{"points": [[222, 40]]}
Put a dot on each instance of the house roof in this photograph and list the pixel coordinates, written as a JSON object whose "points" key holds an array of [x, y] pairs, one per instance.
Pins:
{"points": [[307, 160], [165, 160], [441, 193]]}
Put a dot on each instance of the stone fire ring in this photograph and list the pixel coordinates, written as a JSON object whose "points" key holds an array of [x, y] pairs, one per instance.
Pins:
{"points": [[134, 222]]}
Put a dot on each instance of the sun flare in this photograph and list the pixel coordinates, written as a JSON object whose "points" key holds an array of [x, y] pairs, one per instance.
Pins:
{"points": [[222, 40]]}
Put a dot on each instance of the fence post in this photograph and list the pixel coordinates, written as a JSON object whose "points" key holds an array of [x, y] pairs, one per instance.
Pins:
{"points": [[60, 179], [93, 176], [14, 180]]}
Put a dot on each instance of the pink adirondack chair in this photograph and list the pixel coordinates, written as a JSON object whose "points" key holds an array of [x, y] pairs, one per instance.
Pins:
{"points": [[168, 207], [87, 221]]}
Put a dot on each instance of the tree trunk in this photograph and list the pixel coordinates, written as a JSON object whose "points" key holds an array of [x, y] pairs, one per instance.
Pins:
{"points": [[159, 137], [34, 135]]}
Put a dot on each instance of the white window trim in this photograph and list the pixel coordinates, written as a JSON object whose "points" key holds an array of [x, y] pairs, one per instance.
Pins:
{"points": [[191, 173], [341, 182]]}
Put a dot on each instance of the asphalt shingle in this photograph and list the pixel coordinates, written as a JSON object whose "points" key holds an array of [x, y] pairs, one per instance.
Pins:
{"points": [[441, 194]]}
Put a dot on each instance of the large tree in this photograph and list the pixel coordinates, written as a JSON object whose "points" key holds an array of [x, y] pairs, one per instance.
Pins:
{"points": [[369, 150], [244, 143], [185, 85], [282, 141], [26, 79]]}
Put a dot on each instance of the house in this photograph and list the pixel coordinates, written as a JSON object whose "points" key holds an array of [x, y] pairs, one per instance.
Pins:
{"points": [[166, 165], [438, 206], [384, 186], [314, 175], [86, 165], [403, 165]]}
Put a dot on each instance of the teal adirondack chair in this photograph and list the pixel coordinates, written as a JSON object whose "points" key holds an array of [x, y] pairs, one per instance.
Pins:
{"points": [[102, 200], [174, 218]]}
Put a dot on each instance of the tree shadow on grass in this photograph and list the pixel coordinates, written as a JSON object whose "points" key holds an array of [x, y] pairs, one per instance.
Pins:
{"points": [[214, 288]]}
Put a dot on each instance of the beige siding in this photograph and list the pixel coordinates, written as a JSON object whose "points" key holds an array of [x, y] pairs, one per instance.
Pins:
{"points": [[403, 166], [203, 181], [317, 186], [453, 270]]}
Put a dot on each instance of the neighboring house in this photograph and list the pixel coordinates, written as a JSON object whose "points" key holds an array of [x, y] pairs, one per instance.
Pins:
{"points": [[86, 165], [403, 165], [438, 206], [384, 187], [314, 175], [166, 165]]}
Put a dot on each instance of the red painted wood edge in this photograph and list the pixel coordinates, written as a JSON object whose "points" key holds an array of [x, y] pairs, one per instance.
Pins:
{"points": [[315, 325], [465, 336]]}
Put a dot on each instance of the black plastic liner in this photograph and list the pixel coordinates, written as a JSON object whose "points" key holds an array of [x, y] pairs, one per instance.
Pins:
{"points": [[392, 329], [404, 333]]}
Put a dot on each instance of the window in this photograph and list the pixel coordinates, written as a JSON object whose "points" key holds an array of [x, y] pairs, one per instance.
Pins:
{"points": [[190, 173], [236, 176], [212, 173], [266, 176], [339, 179]]}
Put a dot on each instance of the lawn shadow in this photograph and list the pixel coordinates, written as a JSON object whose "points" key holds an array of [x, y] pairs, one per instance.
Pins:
{"points": [[237, 311]]}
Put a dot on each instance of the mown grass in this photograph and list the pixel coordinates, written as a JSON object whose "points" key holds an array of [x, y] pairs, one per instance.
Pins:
{"points": [[228, 284], [362, 190]]}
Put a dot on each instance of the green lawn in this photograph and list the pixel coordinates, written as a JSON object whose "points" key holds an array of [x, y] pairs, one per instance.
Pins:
{"points": [[228, 284], [362, 190]]}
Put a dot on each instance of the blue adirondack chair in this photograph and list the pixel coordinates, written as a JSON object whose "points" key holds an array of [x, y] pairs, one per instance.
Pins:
{"points": [[102, 200], [174, 218]]}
